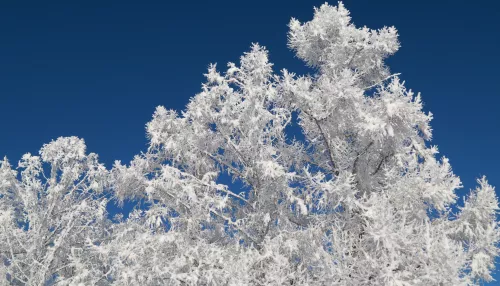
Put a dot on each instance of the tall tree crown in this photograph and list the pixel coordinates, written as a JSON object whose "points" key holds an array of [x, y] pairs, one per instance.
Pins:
{"points": [[230, 195]]}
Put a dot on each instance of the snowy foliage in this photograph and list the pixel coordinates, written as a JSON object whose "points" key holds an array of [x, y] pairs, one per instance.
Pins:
{"points": [[230, 197], [49, 213]]}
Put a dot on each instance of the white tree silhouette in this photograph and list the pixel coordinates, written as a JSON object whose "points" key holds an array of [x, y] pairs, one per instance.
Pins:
{"points": [[358, 199]]}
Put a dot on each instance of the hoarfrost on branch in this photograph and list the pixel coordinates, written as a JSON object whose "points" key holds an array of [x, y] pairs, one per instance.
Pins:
{"points": [[360, 198]]}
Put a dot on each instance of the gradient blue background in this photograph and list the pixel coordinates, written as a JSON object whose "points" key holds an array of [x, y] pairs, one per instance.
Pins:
{"points": [[97, 69]]}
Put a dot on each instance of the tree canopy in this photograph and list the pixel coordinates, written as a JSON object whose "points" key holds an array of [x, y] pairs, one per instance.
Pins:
{"points": [[265, 178]]}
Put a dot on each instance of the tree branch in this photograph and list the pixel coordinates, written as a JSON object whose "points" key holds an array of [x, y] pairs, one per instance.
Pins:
{"points": [[380, 163], [327, 143], [378, 83]]}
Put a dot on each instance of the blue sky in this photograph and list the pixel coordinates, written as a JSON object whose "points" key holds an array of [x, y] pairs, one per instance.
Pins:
{"points": [[97, 69]]}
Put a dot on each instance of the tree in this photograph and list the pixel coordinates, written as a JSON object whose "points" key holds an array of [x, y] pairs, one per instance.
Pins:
{"points": [[232, 193], [50, 213]]}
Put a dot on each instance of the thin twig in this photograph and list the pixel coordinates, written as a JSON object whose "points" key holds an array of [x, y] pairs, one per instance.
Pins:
{"points": [[376, 84]]}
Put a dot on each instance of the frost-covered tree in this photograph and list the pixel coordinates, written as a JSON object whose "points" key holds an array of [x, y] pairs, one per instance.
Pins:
{"points": [[265, 179], [50, 211]]}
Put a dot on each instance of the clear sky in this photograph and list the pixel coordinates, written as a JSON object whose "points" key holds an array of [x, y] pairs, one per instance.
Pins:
{"points": [[97, 69]]}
